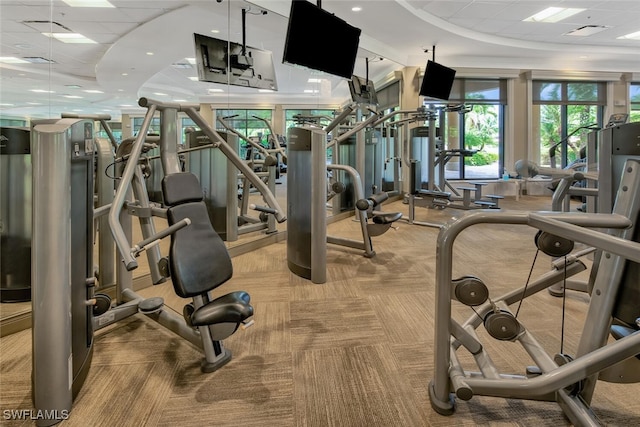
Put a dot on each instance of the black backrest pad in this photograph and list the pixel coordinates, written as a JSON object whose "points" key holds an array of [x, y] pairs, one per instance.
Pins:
{"points": [[180, 188], [199, 260]]}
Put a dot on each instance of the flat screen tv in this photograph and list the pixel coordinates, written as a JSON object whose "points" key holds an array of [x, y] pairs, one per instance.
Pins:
{"points": [[219, 61], [362, 91], [437, 81], [320, 40]]}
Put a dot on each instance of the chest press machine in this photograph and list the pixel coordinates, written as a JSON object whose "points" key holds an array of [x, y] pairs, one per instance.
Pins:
{"points": [[67, 310]]}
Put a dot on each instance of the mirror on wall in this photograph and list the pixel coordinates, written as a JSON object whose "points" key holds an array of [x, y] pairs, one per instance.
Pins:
{"points": [[147, 60]]}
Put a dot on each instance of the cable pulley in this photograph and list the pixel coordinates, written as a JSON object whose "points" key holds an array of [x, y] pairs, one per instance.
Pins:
{"points": [[553, 245], [470, 290]]}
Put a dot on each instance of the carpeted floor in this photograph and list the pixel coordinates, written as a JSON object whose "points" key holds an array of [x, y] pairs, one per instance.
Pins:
{"points": [[356, 351]]}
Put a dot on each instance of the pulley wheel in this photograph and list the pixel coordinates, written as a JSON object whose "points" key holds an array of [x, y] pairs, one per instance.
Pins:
{"points": [[552, 245], [338, 187], [102, 305], [502, 325], [562, 359], [470, 290]]}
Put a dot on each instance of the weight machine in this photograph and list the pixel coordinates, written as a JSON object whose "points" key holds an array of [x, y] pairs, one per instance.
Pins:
{"points": [[307, 194], [613, 309], [219, 178], [66, 308]]}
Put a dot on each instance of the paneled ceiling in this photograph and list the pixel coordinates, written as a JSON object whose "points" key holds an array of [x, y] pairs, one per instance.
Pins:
{"points": [[143, 47]]}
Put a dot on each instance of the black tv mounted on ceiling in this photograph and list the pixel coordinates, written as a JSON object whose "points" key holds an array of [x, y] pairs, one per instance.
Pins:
{"points": [[219, 61], [437, 81], [320, 40], [362, 91]]}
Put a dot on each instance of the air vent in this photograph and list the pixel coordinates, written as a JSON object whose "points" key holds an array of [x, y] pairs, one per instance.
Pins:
{"points": [[38, 60], [587, 30], [47, 26]]}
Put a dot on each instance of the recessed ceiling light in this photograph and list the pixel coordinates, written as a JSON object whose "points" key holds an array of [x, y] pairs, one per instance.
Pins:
{"points": [[195, 79], [126, 105], [34, 103], [314, 80], [88, 3], [215, 90], [215, 31], [12, 60], [150, 53], [125, 74], [553, 14], [179, 100], [356, 9], [311, 91], [93, 91], [631, 36], [6, 105], [160, 94], [69, 37], [120, 90], [78, 109], [72, 96], [265, 90], [73, 86], [42, 91]]}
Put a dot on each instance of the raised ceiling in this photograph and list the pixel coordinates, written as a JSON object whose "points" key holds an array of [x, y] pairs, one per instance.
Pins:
{"points": [[117, 69]]}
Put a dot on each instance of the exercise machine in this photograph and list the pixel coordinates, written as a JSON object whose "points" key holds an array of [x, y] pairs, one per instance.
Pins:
{"points": [[62, 279], [219, 177], [67, 310], [609, 148], [16, 206], [15, 214], [613, 310], [307, 196]]}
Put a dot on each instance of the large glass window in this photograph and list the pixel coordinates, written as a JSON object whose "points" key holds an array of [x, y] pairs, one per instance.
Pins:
{"points": [[634, 98], [247, 123], [563, 114], [476, 132]]}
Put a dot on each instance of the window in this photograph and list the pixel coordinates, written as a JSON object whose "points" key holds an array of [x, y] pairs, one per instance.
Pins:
{"points": [[154, 126], [322, 117], [634, 98], [13, 123], [116, 130], [563, 113], [478, 128], [247, 123], [186, 124]]}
